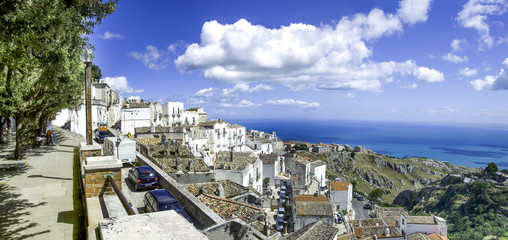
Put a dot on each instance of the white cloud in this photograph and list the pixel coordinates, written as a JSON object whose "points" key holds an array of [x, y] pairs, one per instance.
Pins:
{"points": [[109, 35], [152, 58], [292, 103], [450, 57], [243, 87], [475, 15], [242, 104], [458, 44], [499, 82], [350, 95], [300, 56], [137, 98], [205, 92], [468, 72], [414, 11], [444, 110], [120, 85], [410, 86], [429, 75], [197, 101]]}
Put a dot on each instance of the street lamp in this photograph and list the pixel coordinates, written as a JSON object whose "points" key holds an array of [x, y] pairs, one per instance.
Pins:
{"points": [[87, 56], [117, 144]]}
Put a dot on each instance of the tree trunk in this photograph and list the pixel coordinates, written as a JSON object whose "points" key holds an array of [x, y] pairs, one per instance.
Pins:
{"points": [[18, 150]]}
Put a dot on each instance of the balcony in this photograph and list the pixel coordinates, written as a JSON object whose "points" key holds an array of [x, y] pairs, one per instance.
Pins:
{"points": [[99, 102]]}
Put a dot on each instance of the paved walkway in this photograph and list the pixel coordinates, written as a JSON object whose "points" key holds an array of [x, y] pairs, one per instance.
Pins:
{"points": [[37, 193]]}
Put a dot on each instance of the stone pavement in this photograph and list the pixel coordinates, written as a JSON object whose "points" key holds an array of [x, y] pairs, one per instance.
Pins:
{"points": [[38, 197]]}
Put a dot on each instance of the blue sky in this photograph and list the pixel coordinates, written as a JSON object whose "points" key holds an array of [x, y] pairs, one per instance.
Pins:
{"points": [[410, 60]]}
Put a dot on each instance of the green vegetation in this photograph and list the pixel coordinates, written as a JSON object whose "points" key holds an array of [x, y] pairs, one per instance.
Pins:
{"points": [[473, 210], [40, 71], [376, 194], [266, 181], [491, 170]]}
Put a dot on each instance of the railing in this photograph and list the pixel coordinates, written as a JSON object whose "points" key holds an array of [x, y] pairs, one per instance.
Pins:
{"points": [[119, 194]]}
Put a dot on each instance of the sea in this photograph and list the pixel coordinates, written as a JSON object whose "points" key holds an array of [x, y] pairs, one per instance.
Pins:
{"points": [[470, 145]]}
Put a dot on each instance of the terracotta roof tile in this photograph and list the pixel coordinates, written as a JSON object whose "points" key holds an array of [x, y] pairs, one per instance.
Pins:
{"points": [[338, 186], [311, 198], [229, 209], [314, 208], [317, 230]]}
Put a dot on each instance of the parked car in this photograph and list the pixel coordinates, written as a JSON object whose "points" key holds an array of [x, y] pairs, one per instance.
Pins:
{"points": [[356, 195], [338, 218], [280, 222], [360, 198], [100, 135], [367, 206], [281, 211], [143, 177], [161, 200], [282, 197]]}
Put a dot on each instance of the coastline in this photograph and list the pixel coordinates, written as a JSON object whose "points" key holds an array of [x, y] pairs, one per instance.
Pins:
{"points": [[464, 145]]}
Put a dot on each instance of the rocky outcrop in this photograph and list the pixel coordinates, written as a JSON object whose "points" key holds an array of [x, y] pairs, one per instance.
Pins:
{"points": [[409, 198], [360, 149], [376, 180]]}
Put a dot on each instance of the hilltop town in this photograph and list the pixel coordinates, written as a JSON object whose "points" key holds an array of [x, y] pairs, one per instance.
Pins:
{"points": [[234, 183]]}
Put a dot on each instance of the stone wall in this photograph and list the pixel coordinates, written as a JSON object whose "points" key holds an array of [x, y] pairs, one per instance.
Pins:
{"points": [[203, 216]]}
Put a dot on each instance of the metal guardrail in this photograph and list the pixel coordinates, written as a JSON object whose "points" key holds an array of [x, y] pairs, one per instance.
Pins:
{"points": [[119, 194]]}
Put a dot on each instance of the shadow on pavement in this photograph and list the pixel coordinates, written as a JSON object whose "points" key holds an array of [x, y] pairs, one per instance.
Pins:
{"points": [[12, 208], [10, 170], [41, 176]]}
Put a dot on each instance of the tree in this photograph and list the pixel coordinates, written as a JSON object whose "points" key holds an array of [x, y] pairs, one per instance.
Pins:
{"points": [[376, 194], [40, 74], [266, 181], [96, 72], [354, 183], [491, 169]]}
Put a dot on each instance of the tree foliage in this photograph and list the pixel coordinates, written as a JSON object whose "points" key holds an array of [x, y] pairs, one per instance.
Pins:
{"points": [[473, 211], [491, 169], [266, 181], [40, 72], [376, 194]]}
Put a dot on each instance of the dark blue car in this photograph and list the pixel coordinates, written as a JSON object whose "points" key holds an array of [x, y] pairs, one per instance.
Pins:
{"points": [[143, 177], [100, 135], [162, 200]]}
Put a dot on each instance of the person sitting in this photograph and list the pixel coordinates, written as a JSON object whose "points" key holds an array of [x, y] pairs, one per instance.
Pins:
{"points": [[49, 137]]}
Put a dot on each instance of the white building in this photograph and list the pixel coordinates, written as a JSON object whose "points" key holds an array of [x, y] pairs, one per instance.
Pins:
{"points": [[318, 172], [259, 145], [341, 194], [422, 224], [272, 166], [105, 109], [134, 115], [299, 169], [221, 136], [172, 112], [241, 167]]}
